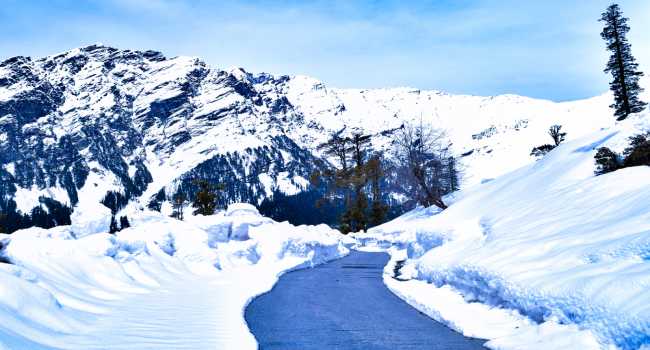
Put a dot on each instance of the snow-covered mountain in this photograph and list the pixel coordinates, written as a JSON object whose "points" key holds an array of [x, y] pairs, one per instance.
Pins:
{"points": [[98, 124]]}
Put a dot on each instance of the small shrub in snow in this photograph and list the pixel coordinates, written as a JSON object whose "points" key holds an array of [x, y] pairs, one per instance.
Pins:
{"points": [[556, 134], [606, 161], [541, 151], [638, 153], [555, 131]]}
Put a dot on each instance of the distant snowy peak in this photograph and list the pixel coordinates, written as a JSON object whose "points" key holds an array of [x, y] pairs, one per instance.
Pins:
{"points": [[143, 126]]}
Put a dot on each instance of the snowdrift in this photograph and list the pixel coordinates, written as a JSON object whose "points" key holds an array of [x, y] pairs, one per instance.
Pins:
{"points": [[161, 283], [550, 241]]}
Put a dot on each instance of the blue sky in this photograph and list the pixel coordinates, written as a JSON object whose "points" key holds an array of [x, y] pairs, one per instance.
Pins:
{"points": [[548, 49]]}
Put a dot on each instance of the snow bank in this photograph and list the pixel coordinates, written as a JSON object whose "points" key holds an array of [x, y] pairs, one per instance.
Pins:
{"points": [[90, 218], [144, 286], [550, 242]]}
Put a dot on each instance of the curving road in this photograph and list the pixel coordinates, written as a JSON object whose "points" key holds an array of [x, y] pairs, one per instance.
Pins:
{"points": [[345, 305]]}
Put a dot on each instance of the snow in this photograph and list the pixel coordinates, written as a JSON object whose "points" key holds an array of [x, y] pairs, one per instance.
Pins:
{"points": [[28, 198], [161, 283], [516, 123], [90, 219], [546, 253], [507, 328]]}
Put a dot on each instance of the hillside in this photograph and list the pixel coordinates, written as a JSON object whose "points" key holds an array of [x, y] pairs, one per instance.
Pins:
{"points": [[548, 256]]}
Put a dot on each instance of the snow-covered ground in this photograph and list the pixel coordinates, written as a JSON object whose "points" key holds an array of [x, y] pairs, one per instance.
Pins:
{"points": [[548, 256], [161, 284]]}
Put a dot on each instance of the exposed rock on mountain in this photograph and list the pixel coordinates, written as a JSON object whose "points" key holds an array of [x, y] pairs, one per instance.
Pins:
{"points": [[98, 124]]}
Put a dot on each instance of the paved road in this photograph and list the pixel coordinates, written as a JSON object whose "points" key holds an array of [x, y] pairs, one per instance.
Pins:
{"points": [[345, 305]]}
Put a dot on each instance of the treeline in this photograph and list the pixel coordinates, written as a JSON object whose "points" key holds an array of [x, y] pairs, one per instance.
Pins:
{"points": [[302, 208], [361, 181], [49, 213]]}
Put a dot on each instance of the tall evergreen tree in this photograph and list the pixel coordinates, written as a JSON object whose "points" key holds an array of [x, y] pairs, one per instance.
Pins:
{"points": [[348, 180], [337, 178], [378, 209], [621, 64], [359, 180]]}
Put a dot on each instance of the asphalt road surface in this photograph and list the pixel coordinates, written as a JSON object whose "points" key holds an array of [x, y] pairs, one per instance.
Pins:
{"points": [[345, 305]]}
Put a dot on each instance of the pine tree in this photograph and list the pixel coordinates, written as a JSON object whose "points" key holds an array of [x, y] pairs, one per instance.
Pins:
{"points": [[205, 201], [359, 179], [337, 177], [621, 64], [378, 209], [347, 179]]}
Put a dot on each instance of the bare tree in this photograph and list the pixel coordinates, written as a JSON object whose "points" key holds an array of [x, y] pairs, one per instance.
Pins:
{"points": [[427, 168], [555, 131], [556, 134], [179, 201]]}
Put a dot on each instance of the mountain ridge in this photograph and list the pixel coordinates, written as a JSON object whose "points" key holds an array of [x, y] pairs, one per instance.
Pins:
{"points": [[142, 126]]}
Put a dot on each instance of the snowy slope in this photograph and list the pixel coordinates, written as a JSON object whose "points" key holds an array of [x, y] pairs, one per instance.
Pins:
{"points": [[549, 255], [98, 123], [161, 284], [499, 131]]}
